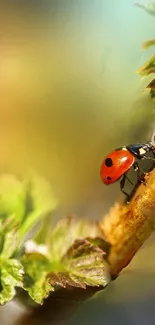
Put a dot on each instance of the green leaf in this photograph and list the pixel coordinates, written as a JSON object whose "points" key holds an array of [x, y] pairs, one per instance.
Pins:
{"points": [[85, 263], [101, 243], [27, 202], [41, 201], [148, 67], [67, 262], [64, 280], [149, 7], [62, 245], [148, 44], [11, 272], [151, 87], [9, 244], [36, 267], [82, 266], [12, 198], [65, 233]]}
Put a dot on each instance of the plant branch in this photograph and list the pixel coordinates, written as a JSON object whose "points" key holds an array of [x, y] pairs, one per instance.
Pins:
{"points": [[127, 227]]}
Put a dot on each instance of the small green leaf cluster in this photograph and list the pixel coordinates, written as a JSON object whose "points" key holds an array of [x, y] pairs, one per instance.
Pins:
{"points": [[38, 256]]}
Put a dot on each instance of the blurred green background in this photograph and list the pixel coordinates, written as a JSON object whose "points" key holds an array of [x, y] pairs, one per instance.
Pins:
{"points": [[70, 94]]}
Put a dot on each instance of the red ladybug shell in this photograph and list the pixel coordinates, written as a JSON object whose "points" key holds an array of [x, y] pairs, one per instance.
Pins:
{"points": [[117, 163]]}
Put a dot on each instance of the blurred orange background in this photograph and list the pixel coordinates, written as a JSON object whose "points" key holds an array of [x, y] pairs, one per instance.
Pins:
{"points": [[70, 93]]}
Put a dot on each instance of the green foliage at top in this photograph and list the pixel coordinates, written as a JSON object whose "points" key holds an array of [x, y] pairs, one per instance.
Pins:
{"points": [[149, 66], [148, 7]]}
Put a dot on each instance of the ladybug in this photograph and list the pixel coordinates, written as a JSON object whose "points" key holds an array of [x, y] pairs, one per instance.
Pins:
{"points": [[121, 160]]}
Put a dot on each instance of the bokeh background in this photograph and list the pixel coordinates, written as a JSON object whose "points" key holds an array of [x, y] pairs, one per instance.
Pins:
{"points": [[69, 93]]}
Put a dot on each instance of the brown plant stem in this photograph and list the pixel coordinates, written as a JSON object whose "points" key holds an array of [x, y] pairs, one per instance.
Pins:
{"points": [[127, 227]]}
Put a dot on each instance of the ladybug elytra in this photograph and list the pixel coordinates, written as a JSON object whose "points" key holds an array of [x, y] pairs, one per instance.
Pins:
{"points": [[121, 160]]}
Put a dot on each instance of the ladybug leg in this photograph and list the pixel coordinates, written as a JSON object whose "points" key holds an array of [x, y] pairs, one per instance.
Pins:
{"points": [[129, 180], [153, 165], [122, 183], [140, 177], [151, 158]]}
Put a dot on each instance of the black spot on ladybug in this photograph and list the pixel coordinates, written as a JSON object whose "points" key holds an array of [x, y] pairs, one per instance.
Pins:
{"points": [[109, 178], [108, 162]]}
